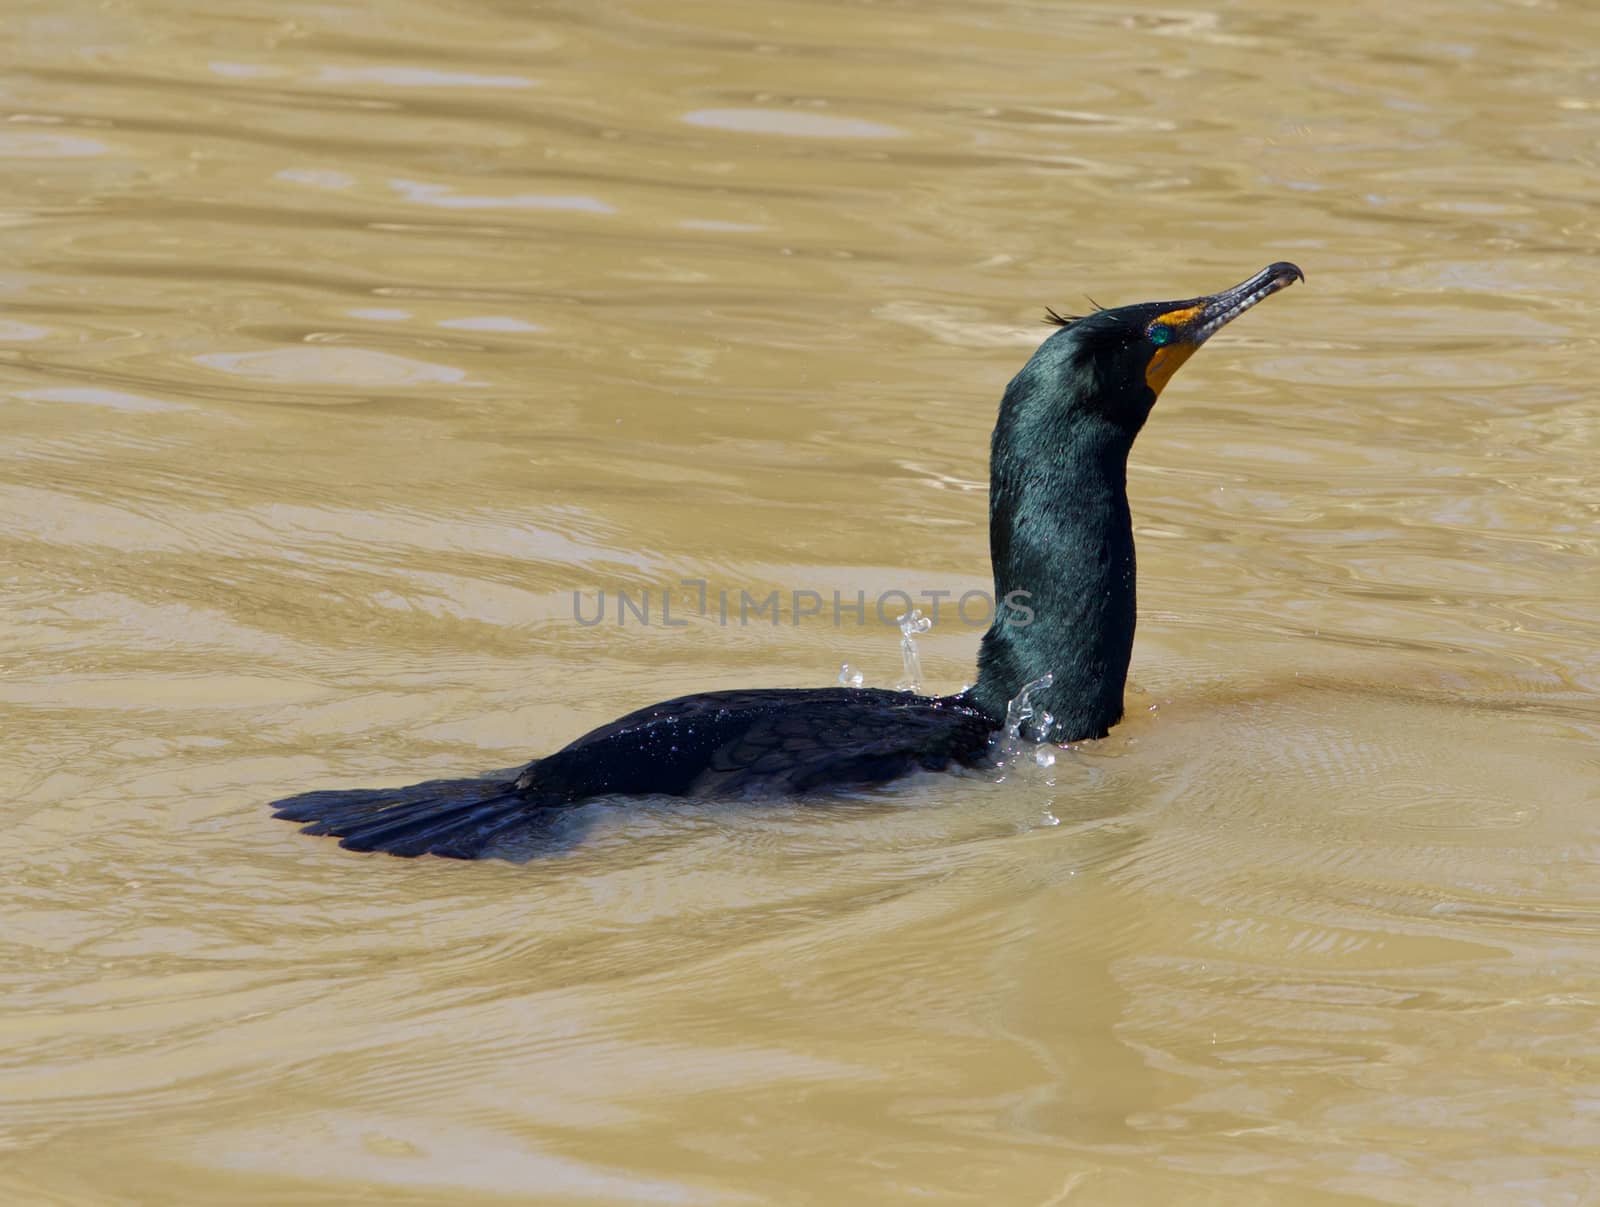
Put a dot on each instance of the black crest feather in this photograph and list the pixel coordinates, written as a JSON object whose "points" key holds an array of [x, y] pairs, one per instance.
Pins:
{"points": [[1066, 320]]}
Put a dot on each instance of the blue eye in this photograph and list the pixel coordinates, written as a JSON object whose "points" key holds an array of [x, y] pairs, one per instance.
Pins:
{"points": [[1160, 334]]}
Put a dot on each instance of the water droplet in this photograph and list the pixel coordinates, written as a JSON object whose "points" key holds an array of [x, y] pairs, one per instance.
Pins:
{"points": [[912, 623]]}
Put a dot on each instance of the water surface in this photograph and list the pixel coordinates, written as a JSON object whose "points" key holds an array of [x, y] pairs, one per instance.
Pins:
{"points": [[342, 343]]}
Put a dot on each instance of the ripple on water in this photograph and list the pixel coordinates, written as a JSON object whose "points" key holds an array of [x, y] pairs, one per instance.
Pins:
{"points": [[99, 396], [49, 144], [791, 123], [496, 323], [330, 365], [14, 332], [445, 197], [398, 76]]}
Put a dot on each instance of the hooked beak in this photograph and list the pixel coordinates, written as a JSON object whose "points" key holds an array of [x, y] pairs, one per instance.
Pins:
{"points": [[1195, 321]]}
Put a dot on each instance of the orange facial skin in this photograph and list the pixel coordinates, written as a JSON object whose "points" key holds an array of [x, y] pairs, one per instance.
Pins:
{"points": [[1169, 358]]}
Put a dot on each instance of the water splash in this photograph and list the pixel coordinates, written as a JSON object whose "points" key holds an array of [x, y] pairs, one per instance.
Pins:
{"points": [[912, 623], [849, 676], [1018, 746], [1023, 749], [1021, 710]]}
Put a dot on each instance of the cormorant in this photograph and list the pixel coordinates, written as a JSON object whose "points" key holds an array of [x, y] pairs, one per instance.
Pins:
{"points": [[1059, 533]]}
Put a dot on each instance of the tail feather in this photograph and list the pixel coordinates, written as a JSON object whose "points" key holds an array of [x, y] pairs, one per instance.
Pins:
{"points": [[460, 819]]}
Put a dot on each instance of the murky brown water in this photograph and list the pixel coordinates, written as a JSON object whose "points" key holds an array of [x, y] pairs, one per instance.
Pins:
{"points": [[341, 343]]}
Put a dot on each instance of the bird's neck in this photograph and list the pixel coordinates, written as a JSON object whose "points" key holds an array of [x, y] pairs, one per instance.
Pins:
{"points": [[1061, 540]]}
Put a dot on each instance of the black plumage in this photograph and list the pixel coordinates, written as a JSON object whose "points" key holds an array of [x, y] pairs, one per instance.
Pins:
{"points": [[1061, 546]]}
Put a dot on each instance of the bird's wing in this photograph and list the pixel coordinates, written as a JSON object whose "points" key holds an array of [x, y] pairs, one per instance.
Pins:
{"points": [[842, 742]]}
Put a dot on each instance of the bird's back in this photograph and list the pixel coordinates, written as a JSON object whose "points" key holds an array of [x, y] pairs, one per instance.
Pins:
{"points": [[772, 742], [754, 742]]}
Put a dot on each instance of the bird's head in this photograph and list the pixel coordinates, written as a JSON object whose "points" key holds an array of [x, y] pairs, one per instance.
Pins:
{"points": [[1112, 364]]}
